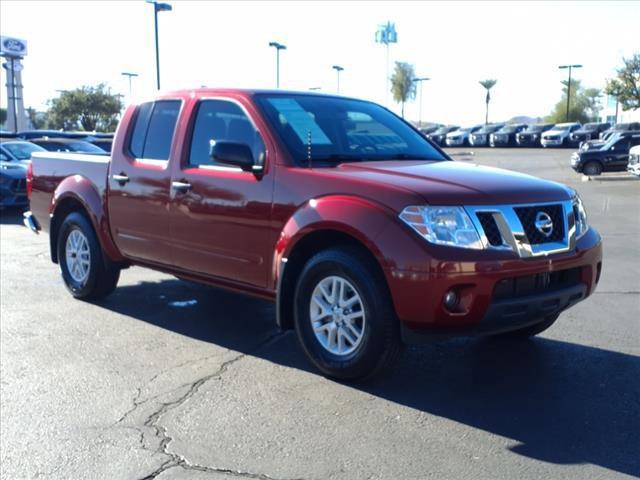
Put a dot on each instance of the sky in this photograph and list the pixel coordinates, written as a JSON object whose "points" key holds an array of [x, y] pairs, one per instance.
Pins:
{"points": [[225, 44]]}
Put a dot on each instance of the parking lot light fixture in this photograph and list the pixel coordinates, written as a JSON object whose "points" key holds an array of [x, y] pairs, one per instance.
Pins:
{"points": [[421, 79], [338, 69], [278, 47], [570, 67], [130, 75], [158, 7]]}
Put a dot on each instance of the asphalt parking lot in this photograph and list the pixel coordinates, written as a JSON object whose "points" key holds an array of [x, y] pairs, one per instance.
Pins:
{"points": [[170, 380]]}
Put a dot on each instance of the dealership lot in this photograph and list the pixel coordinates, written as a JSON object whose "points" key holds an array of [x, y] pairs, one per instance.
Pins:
{"points": [[170, 380]]}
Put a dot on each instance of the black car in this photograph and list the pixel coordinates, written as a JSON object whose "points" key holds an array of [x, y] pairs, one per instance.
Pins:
{"points": [[68, 145], [506, 136], [426, 131], [612, 155], [14, 161], [532, 135], [439, 136], [31, 134], [103, 143], [589, 131], [620, 127], [481, 137]]}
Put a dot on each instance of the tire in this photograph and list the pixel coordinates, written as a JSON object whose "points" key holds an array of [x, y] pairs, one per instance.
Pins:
{"points": [[351, 355], [530, 331], [592, 169], [87, 272]]}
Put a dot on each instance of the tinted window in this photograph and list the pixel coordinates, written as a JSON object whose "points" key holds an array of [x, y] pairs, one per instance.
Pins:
{"points": [[140, 126], [162, 124], [341, 129], [221, 120], [153, 129], [22, 150]]}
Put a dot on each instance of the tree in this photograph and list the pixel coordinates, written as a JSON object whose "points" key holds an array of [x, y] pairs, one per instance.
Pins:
{"points": [[403, 86], [584, 107], [488, 85], [38, 120], [626, 86], [3, 115], [88, 108]]}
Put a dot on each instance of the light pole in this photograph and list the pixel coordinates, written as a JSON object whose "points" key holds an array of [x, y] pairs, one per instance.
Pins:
{"points": [[421, 79], [278, 47], [338, 69], [386, 34], [129, 74], [158, 7], [561, 67]]}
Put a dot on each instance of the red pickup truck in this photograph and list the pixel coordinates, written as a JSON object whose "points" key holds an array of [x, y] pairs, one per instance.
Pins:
{"points": [[365, 234]]}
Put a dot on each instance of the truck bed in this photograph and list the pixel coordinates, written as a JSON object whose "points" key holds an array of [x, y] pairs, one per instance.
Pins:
{"points": [[50, 169]]}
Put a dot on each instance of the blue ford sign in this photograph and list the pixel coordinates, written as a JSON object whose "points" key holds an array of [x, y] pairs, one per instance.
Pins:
{"points": [[13, 47]]}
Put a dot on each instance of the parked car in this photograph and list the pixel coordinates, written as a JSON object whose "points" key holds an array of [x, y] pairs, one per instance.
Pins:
{"points": [[634, 161], [533, 134], [102, 143], [506, 136], [15, 156], [460, 137], [375, 236], [32, 134], [67, 145], [480, 138], [426, 131], [558, 136], [439, 136], [620, 127], [588, 132], [596, 157]]}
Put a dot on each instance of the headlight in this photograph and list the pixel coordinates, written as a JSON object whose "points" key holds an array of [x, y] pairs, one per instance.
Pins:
{"points": [[449, 226], [580, 215]]}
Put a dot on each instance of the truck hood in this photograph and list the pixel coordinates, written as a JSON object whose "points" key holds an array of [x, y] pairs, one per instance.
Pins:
{"points": [[457, 183]]}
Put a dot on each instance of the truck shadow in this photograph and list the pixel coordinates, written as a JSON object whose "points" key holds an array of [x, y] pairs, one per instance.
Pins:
{"points": [[562, 402]]}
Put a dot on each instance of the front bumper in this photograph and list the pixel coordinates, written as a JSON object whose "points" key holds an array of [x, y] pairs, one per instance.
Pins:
{"points": [[551, 143], [418, 288], [12, 197], [454, 142], [634, 169]]}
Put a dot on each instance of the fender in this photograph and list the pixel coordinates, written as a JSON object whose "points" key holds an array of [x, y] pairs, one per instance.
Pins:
{"points": [[83, 191], [357, 217]]}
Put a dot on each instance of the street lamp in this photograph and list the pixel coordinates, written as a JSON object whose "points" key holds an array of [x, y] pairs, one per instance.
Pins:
{"points": [[278, 47], [338, 69], [158, 7], [421, 79], [561, 67], [129, 74]]}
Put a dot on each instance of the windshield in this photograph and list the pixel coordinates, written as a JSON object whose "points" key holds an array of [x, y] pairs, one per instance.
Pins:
{"points": [[341, 129], [509, 129], [22, 150], [591, 126]]}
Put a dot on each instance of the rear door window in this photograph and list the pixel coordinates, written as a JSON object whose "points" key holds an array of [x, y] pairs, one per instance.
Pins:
{"points": [[153, 130]]}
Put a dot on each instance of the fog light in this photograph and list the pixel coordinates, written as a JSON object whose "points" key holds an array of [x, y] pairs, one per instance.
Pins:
{"points": [[451, 300]]}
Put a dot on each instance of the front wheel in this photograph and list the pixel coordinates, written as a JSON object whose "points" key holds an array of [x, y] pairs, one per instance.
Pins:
{"points": [[344, 316], [592, 169], [87, 273]]}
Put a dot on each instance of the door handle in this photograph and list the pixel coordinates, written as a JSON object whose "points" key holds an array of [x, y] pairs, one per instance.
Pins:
{"points": [[121, 178], [181, 187]]}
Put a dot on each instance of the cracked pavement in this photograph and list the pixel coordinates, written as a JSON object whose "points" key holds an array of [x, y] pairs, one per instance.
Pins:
{"points": [[170, 380]]}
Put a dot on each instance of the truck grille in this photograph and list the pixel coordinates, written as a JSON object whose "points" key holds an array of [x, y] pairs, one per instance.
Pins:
{"points": [[513, 227], [518, 287], [490, 228], [527, 216]]}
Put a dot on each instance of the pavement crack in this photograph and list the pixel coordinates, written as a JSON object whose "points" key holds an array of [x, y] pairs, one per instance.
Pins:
{"points": [[160, 433]]}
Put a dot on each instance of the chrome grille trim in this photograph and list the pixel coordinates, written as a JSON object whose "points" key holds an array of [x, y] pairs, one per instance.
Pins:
{"points": [[513, 233]]}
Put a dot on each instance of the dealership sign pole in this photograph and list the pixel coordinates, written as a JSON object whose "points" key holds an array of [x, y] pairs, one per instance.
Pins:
{"points": [[14, 50]]}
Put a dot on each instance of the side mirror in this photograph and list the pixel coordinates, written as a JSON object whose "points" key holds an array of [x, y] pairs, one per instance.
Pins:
{"points": [[233, 154]]}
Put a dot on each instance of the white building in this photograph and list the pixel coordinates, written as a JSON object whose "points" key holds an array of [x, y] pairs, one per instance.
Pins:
{"points": [[608, 113]]}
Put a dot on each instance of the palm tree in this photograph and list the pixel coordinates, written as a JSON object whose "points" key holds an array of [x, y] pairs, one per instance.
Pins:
{"points": [[488, 84], [403, 86]]}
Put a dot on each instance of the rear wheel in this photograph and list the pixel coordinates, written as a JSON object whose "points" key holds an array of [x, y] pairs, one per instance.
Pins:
{"points": [[344, 317], [86, 270], [592, 168]]}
